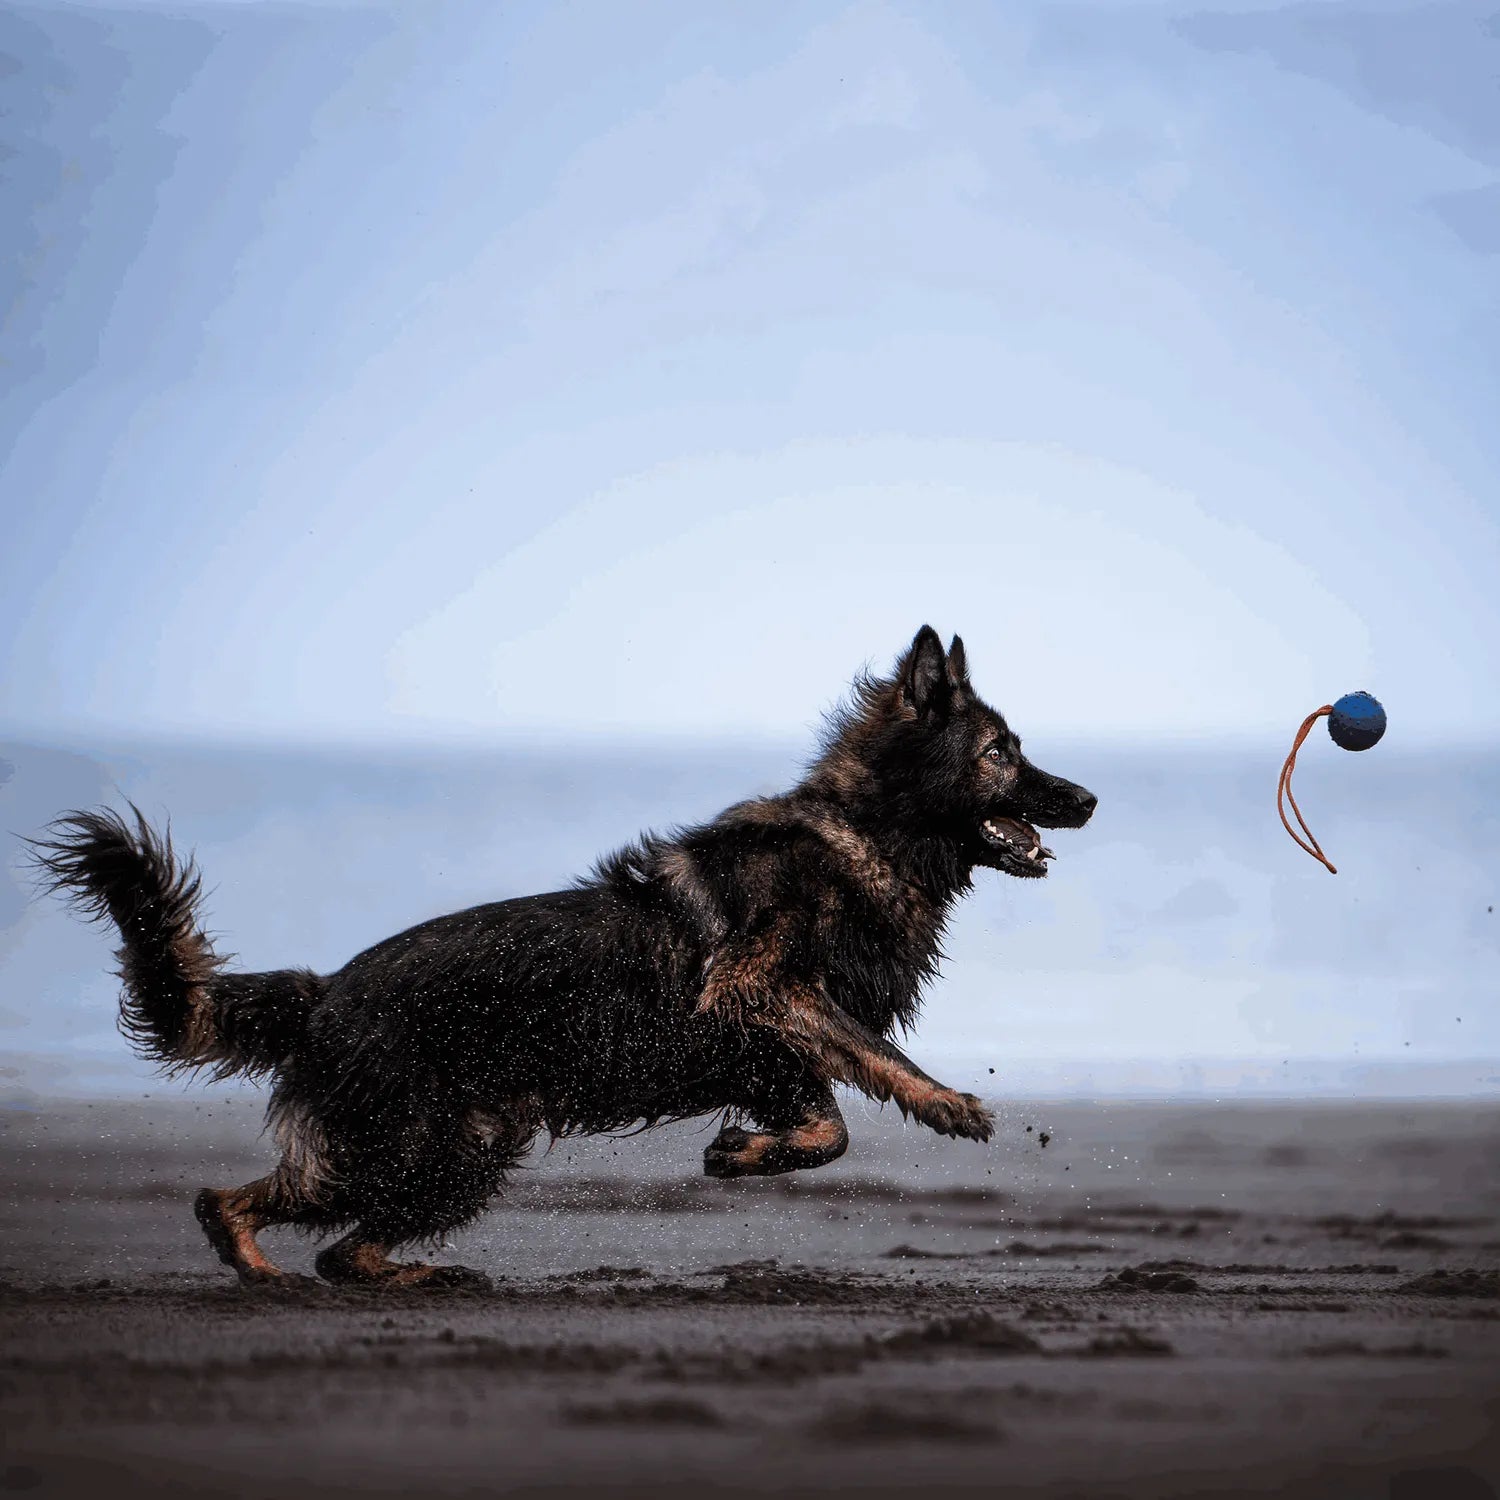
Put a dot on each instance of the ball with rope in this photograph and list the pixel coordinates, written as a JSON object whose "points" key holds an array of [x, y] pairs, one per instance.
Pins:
{"points": [[1355, 722]]}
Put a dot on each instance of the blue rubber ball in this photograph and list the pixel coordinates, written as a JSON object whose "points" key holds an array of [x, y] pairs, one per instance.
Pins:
{"points": [[1357, 721]]}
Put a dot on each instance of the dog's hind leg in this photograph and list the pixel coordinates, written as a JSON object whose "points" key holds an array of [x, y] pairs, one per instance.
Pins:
{"points": [[812, 1136], [736, 1152], [363, 1258], [232, 1217], [419, 1190]]}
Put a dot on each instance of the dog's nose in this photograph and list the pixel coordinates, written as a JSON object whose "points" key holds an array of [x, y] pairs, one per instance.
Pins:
{"points": [[1087, 802]]}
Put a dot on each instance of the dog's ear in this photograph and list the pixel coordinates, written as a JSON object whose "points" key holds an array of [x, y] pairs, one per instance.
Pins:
{"points": [[958, 664], [924, 673]]}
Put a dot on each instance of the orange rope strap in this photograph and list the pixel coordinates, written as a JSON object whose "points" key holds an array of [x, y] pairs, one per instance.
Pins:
{"points": [[1284, 790]]}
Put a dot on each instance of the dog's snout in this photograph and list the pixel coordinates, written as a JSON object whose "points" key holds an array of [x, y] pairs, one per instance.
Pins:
{"points": [[1053, 802]]}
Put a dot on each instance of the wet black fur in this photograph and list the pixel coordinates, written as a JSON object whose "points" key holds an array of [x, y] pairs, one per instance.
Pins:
{"points": [[407, 1083]]}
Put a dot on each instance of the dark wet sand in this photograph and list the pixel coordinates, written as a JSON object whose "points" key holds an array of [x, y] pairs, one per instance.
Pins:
{"points": [[1163, 1301]]}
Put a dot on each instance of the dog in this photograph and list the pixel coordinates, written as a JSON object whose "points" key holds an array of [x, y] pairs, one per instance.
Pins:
{"points": [[746, 965]]}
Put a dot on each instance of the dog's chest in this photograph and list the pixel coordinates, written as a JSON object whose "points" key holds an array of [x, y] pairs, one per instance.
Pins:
{"points": [[879, 930], [880, 954]]}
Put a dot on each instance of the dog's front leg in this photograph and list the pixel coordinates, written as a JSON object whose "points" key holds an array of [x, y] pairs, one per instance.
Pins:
{"points": [[844, 1051], [856, 1055], [748, 984]]}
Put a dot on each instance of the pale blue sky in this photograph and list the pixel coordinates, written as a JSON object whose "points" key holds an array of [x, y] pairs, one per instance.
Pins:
{"points": [[387, 372]]}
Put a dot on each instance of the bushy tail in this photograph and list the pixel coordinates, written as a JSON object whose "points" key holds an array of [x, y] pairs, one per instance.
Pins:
{"points": [[178, 1007]]}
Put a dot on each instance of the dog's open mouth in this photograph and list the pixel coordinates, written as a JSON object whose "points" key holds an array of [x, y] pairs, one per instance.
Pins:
{"points": [[1017, 839]]}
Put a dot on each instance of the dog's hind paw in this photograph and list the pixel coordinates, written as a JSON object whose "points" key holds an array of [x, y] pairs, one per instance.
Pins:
{"points": [[275, 1282], [726, 1155], [452, 1279], [360, 1263]]}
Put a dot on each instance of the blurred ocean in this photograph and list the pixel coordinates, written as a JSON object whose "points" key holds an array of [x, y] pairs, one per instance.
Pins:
{"points": [[1183, 945]]}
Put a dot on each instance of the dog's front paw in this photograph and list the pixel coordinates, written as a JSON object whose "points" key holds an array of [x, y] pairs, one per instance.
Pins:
{"points": [[951, 1113]]}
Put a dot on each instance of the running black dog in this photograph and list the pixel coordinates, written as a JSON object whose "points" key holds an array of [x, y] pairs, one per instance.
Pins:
{"points": [[747, 965]]}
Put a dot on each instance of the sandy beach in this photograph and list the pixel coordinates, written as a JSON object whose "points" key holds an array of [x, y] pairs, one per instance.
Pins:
{"points": [[1162, 1300]]}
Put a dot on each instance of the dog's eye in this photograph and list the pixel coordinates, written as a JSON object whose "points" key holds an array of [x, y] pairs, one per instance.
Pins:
{"points": [[993, 753]]}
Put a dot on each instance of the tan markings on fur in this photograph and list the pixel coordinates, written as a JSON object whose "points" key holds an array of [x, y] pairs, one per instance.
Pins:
{"points": [[742, 968], [913, 1093], [753, 1152], [746, 986], [846, 1052], [199, 963], [844, 768], [305, 1158], [199, 1041], [858, 856], [357, 1258], [682, 874], [509, 1122], [810, 1141], [230, 1217], [764, 810], [816, 1141], [871, 871], [819, 1136], [742, 980]]}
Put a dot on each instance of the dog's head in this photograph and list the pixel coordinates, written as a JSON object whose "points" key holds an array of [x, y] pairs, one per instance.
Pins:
{"points": [[939, 761]]}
